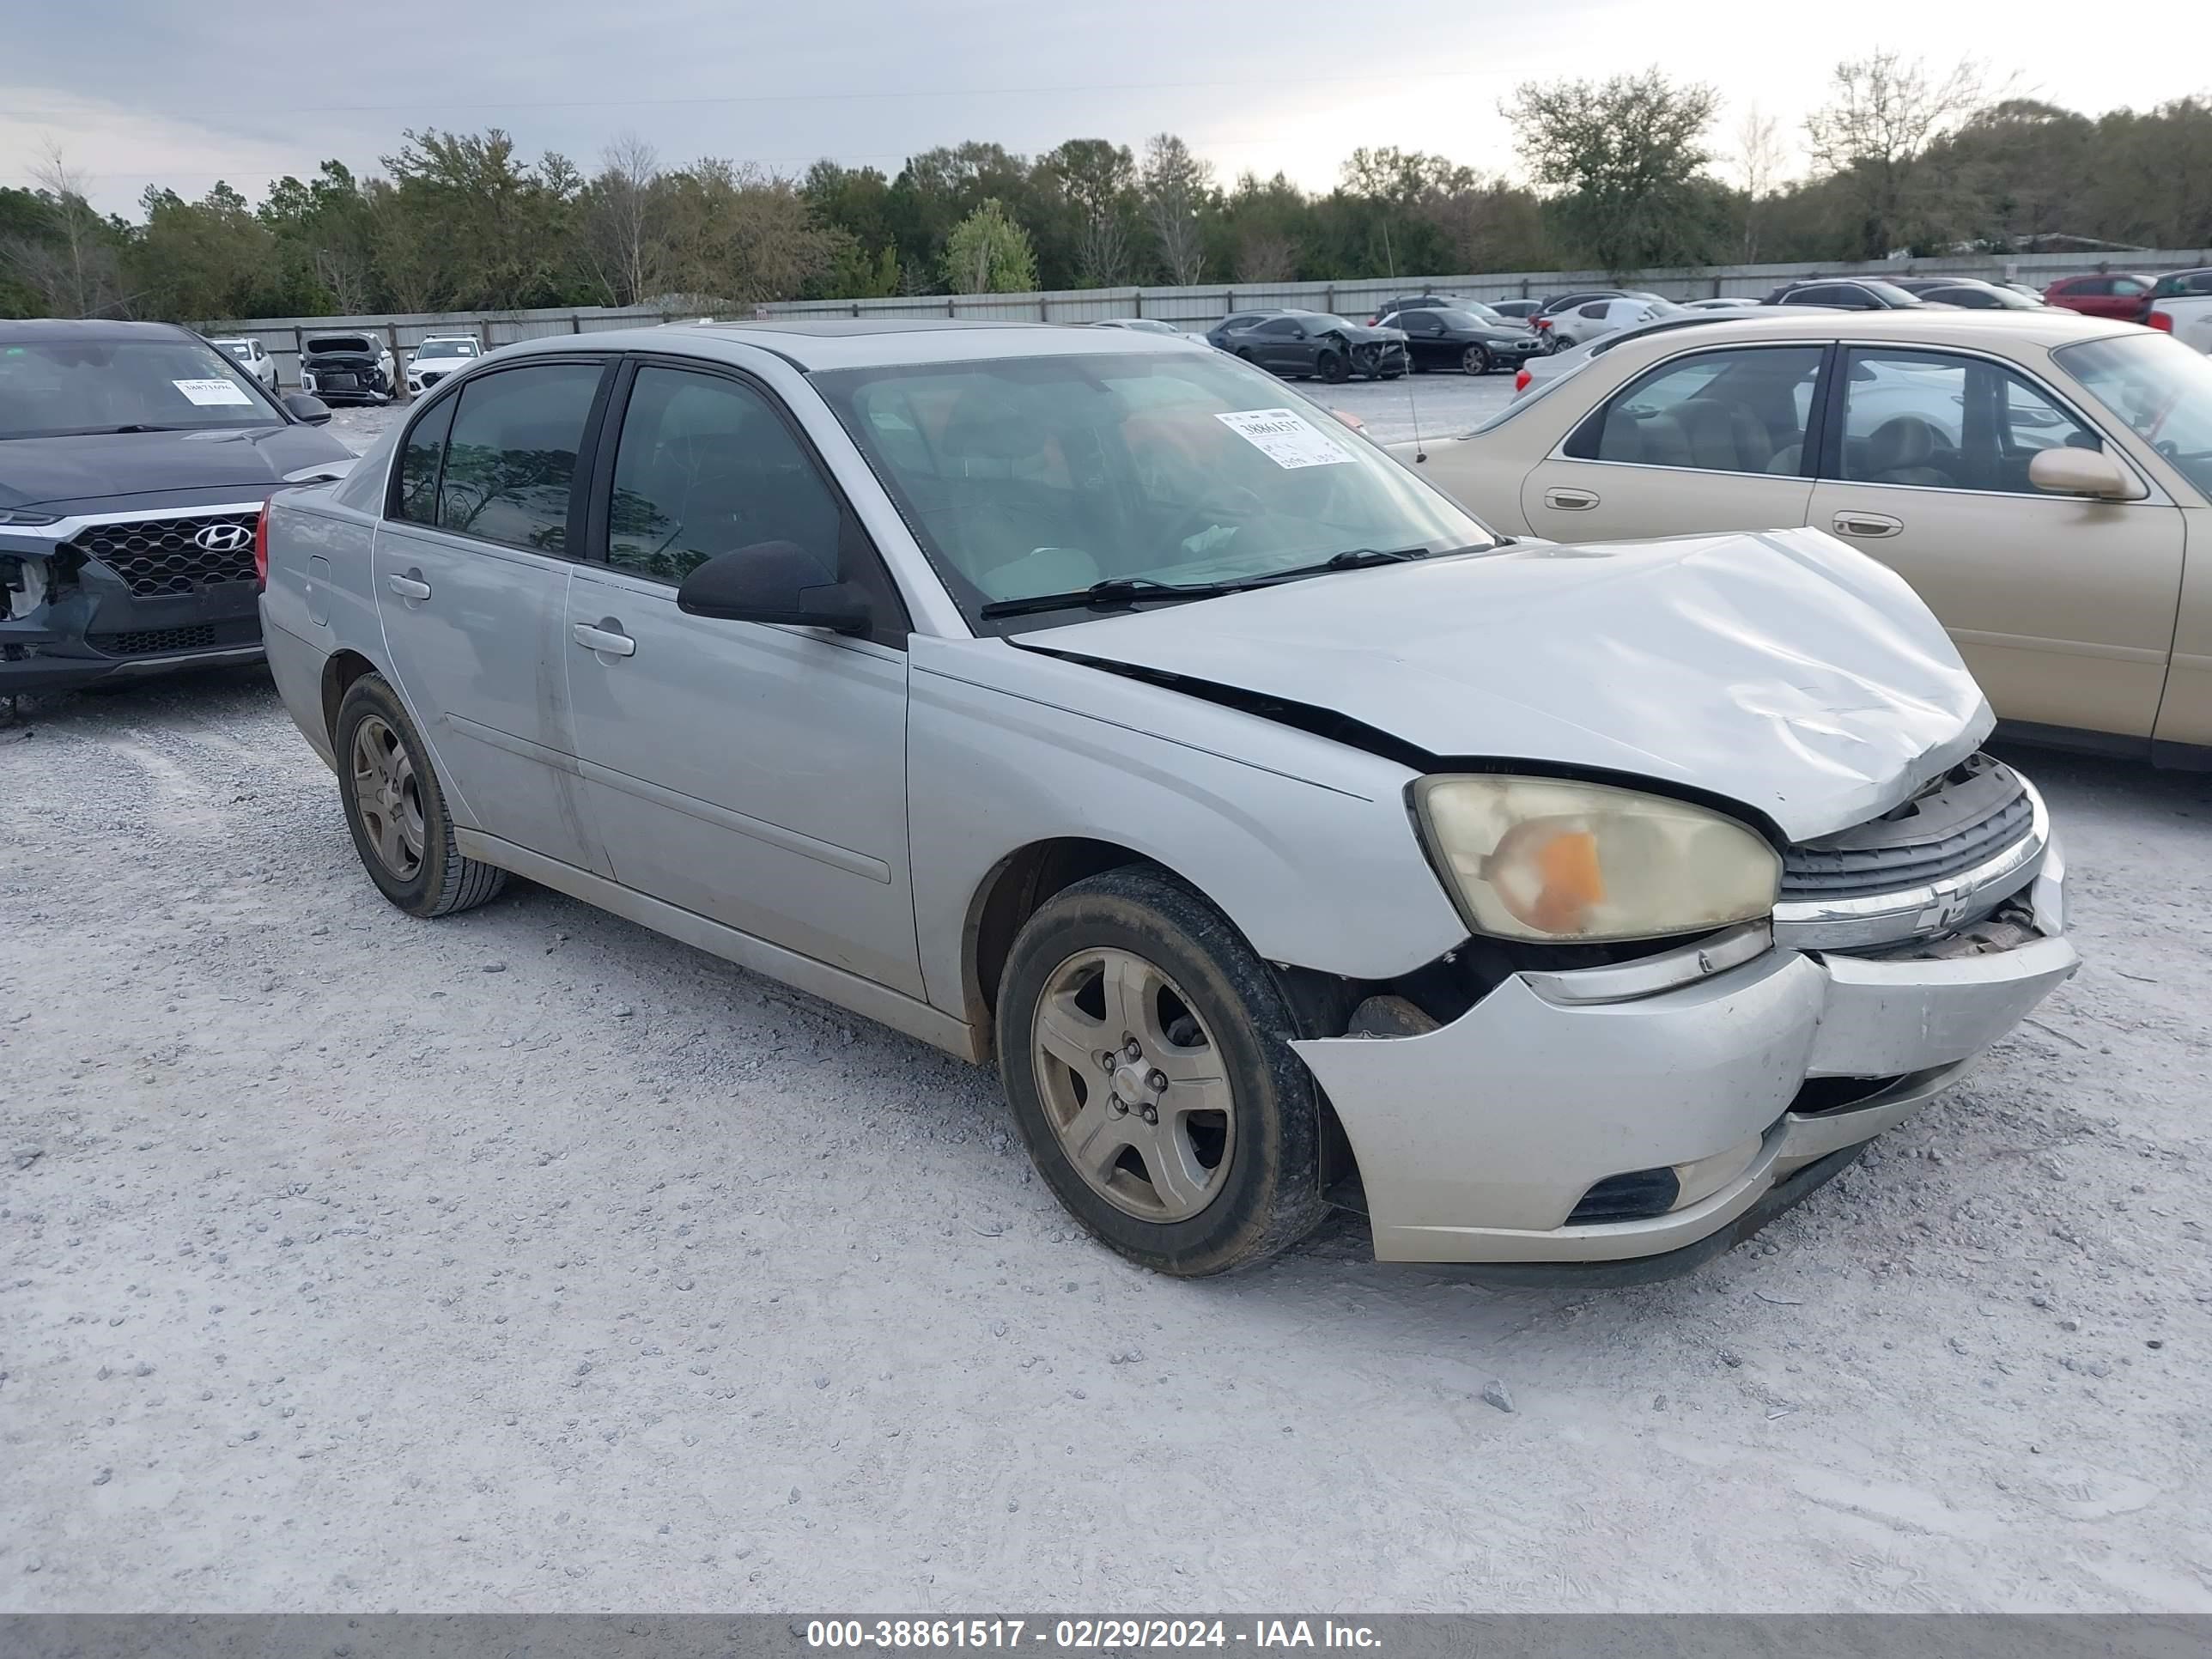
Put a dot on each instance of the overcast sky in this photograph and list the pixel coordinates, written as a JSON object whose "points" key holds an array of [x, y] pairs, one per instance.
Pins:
{"points": [[247, 90]]}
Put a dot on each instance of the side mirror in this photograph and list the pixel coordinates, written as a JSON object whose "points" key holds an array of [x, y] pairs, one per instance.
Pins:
{"points": [[2081, 472], [775, 582], [305, 406]]}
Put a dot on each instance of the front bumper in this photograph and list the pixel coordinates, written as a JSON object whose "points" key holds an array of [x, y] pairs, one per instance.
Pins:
{"points": [[358, 385], [60, 634], [1476, 1141]]}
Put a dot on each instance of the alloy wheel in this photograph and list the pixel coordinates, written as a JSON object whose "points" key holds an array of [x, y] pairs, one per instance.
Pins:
{"points": [[387, 796], [1134, 1084]]}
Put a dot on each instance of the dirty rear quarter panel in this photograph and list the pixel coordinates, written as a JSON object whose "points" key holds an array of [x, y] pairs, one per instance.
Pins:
{"points": [[318, 600], [1305, 844]]}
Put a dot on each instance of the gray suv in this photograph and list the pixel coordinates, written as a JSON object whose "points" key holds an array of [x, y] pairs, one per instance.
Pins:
{"points": [[1077, 701]]}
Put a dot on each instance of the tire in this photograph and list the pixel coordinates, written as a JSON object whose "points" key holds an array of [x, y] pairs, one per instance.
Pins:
{"points": [[1476, 360], [1182, 976], [1330, 366], [403, 832], [1392, 374]]}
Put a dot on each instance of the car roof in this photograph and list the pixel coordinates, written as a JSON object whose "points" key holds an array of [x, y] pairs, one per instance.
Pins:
{"points": [[812, 343], [1939, 328], [92, 328]]}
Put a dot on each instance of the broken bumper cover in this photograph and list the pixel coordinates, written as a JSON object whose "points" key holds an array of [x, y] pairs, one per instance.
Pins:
{"points": [[56, 638], [1477, 1141]]}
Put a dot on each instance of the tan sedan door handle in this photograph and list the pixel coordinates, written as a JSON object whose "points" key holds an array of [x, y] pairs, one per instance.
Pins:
{"points": [[1871, 525], [409, 587], [606, 637], [1570, 501]]}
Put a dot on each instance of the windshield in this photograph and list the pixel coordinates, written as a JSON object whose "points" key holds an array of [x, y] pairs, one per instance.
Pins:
{"points": [[446, 349], [1465, 319], [1030, 476], [2161, 388], [52, 388], [238, 348]]}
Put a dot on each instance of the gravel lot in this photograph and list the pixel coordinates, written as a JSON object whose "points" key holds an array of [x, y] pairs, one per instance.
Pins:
{"points": [[526, 1260]]}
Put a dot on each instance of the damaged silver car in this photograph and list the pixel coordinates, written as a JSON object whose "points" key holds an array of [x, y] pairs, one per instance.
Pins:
{"points": [[1072, 701]]}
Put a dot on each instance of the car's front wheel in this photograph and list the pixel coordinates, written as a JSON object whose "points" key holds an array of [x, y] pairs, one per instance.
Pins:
{"points": [[397, 811], [1145, 1050], [1476, 360], [1330, 366]]}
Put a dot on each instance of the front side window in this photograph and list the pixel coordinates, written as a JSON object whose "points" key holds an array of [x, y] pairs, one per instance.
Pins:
{"points": [[511, 459], [705, 466], [2159, 387], [66, 387], [1023, 477], [1742, 410], [1946, 423]]}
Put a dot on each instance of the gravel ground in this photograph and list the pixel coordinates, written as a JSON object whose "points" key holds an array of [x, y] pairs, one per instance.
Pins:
{"points": [[528, 1261]]}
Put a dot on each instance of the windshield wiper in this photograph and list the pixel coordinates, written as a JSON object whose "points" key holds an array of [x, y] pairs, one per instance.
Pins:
{"points": [[141, 426], [1113, 591], [1353, 558]]}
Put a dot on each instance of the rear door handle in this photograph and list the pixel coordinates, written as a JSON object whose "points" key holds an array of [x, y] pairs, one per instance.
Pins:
{"points": [[410, 586], [1570, 501], [1868, 525], [605, 636]]}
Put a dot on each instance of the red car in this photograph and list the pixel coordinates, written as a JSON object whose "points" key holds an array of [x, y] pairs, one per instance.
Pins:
{"points": [[2124, 298]]}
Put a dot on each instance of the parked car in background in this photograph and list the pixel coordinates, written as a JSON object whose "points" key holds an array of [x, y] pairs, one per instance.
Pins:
{"points": [[1425, 302], [1584, 323], [1312, 345], [1545, 319], [1516, 310], [1968, 294], [1437, 337], [1154, 325], [2121, 296], [1124, 731], [2043, 480], [1723, 303], [2181, 305], [2024, 288], [347, 366], [439, 355], [253, 357], [134, 460], [1852, 294]]}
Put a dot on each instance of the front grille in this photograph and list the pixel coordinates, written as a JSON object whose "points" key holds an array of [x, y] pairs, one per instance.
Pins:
{"points": [[1964, 818], [153, 642], [158, 556]]}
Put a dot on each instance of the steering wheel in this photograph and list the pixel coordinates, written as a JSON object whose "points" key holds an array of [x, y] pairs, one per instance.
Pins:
{"points": [[1233, 504]]}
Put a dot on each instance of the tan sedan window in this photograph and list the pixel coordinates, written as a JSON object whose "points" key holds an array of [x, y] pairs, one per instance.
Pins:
{"points": [[1946, 423], [1742, 410]]}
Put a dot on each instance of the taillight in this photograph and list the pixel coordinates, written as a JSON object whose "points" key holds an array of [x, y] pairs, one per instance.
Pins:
{"points": [[2159, 320], [1521, 381], [1541, 322], [261, 548]]}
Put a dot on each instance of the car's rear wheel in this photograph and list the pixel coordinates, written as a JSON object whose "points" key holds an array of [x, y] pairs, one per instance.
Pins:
{"points": [[1476, 360], [1145, 1051], [397, 811]]}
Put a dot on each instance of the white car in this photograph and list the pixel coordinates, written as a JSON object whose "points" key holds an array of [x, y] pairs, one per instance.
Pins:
{"points": [[2181, 305], [1723, 303], [439, 355], [1580, 324], [253, 357]]}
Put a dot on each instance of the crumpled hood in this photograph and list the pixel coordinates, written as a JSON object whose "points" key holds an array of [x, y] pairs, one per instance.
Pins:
{"points": [[56, 475], [1781, 670]]}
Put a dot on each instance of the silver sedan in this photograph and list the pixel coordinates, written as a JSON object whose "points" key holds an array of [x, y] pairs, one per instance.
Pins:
{"points": [[1074, 700]]}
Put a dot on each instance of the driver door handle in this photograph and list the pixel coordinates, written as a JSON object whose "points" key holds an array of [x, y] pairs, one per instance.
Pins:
{"points": [[1868, 526], [1570, 501], [606, 636], [410, 586]]}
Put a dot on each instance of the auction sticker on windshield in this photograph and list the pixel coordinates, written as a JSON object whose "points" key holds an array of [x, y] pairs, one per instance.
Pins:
{"points": [[207, 393], [1284, 437]]}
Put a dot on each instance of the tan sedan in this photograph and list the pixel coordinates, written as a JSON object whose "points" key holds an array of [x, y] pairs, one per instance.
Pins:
{"points": [[2043, 479]]}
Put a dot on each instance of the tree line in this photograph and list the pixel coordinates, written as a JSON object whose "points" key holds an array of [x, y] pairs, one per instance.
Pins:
{"points": [[1621, 174]]}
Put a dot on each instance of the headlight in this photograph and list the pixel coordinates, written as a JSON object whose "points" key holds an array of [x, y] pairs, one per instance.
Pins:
{"points": [[23, 515], [1540, 858]]}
